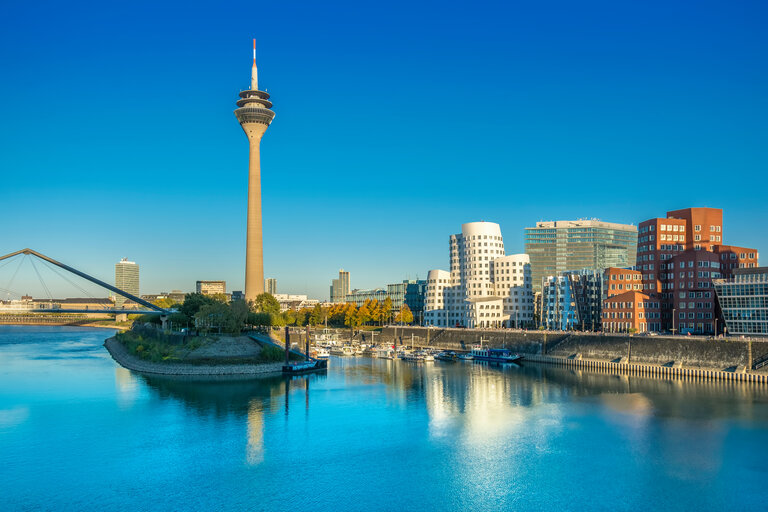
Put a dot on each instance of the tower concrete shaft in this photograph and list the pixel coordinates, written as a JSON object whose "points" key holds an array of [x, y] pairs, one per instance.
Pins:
{"points": [[255, 116]]}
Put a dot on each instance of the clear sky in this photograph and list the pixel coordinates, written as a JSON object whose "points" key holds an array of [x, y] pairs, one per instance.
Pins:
{"points": [[396, 122]]}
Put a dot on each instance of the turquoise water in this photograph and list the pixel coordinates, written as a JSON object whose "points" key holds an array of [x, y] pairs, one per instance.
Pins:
{"points": [[78, 432]]}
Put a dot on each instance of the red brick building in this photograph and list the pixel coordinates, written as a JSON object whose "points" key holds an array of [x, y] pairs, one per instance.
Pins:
{"points": [[626, 308], [678, 256]]}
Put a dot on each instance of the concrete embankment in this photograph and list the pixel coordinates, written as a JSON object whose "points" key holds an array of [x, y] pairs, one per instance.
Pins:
{"points": [[131, 362], [649, 370], [693, 353]]}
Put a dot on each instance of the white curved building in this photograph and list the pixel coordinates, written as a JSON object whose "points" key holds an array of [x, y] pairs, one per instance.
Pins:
{"points": [[484, 288]]}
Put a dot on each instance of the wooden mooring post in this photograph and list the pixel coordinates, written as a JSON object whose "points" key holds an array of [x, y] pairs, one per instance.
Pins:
{"points": [[287, 344]]}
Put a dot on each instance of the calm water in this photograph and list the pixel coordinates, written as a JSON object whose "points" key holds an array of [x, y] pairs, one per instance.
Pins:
{"points": [[79, 432]]}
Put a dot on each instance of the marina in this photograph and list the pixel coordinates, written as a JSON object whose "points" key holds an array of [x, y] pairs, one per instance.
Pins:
{"points": [[476, 434]]}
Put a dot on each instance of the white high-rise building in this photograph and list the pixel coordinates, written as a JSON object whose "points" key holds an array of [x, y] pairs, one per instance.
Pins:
{"points": [[484, 288], [127, 279]]}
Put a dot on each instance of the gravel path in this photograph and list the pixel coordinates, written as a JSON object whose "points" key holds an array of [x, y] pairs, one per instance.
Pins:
{"points": [[131, 362]]}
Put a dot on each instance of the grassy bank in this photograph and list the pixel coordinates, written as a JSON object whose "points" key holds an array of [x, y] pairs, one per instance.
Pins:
{"points": [[154, 349], [157, 350]]}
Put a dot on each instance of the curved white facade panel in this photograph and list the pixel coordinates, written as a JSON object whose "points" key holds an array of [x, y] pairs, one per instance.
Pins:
{"points": [[484, 288]]}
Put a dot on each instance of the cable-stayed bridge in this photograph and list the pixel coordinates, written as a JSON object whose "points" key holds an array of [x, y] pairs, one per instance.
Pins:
{"points": [[52, 306]]}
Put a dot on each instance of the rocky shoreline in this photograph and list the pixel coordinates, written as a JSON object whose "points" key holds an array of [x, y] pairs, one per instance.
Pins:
{"points": [[131, 362]]}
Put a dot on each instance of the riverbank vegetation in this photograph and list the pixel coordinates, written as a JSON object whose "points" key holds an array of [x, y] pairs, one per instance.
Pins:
{"points": [[213, 314]]}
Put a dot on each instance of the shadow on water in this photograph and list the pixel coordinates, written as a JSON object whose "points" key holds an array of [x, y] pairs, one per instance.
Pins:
{"points": [[224, 396]]}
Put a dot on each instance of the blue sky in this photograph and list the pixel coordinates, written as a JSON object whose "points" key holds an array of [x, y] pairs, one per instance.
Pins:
{"points": [[396, 122]]}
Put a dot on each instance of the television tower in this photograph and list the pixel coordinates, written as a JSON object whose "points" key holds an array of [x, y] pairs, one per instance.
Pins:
{"points": [[255, 116]]}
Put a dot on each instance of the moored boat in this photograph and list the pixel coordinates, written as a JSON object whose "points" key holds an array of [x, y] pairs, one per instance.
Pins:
{"points": [[385, 353], [495, 355], [310, 365], [446, 356]]}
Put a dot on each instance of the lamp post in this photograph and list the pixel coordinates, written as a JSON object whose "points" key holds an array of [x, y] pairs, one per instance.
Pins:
{"points": [[673, 321]]}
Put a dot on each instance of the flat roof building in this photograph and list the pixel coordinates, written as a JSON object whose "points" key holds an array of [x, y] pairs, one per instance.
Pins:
{"points": [[567, 245], [340, 287], [211, 287], [743, 299], [126, 279]]}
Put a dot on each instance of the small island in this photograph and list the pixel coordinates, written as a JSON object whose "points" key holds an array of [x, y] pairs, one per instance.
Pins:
{"points": [[206, 336]]}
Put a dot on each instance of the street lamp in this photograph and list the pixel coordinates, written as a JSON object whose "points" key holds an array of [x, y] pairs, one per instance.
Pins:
{"points": [[673, 321]]}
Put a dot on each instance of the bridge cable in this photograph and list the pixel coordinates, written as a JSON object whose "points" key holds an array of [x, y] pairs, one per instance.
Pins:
{"points": [[55, 270], [41, 279], [8, 286], [10, 292], [7, 262]]}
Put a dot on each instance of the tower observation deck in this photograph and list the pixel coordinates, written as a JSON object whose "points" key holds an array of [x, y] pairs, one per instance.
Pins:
{"points": [[255, 116]]}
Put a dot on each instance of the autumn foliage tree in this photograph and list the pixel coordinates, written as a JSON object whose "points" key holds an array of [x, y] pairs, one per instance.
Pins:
{"points": [[404, 316]]}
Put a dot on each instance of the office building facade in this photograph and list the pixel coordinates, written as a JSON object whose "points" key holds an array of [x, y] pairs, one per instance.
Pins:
{"points": [[340, 287], [270, 285], [560, 246], [211, 287], [743, 299], [126, 279], [572, 300]]}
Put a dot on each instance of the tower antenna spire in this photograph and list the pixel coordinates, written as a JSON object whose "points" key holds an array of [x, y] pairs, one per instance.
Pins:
{"points": [[254, 71]]}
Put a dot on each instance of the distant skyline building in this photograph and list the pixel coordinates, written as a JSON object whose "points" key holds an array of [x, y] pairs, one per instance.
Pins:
{"points": [[567, 245], [270, 285], [294, 301], [340, 287], [484, 288], [126, 279], [255, 116], [211, 287]]}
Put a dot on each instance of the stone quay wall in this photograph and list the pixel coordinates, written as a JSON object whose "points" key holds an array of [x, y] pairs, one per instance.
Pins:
{"points": [[730, 354]]}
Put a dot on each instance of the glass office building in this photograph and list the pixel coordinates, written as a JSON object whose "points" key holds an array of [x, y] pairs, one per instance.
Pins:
{"points": [[743, 299], [560, 246]]}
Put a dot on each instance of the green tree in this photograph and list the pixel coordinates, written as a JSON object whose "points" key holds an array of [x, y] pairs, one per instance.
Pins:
{"points": [[316, 317], [260, 319], [239, 310], [266, 303], [217, 317], [193, 302], [278, 320], [405, 315]]}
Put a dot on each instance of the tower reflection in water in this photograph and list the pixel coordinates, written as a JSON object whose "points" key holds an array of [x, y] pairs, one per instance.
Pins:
{"points": [[227, 397]]}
